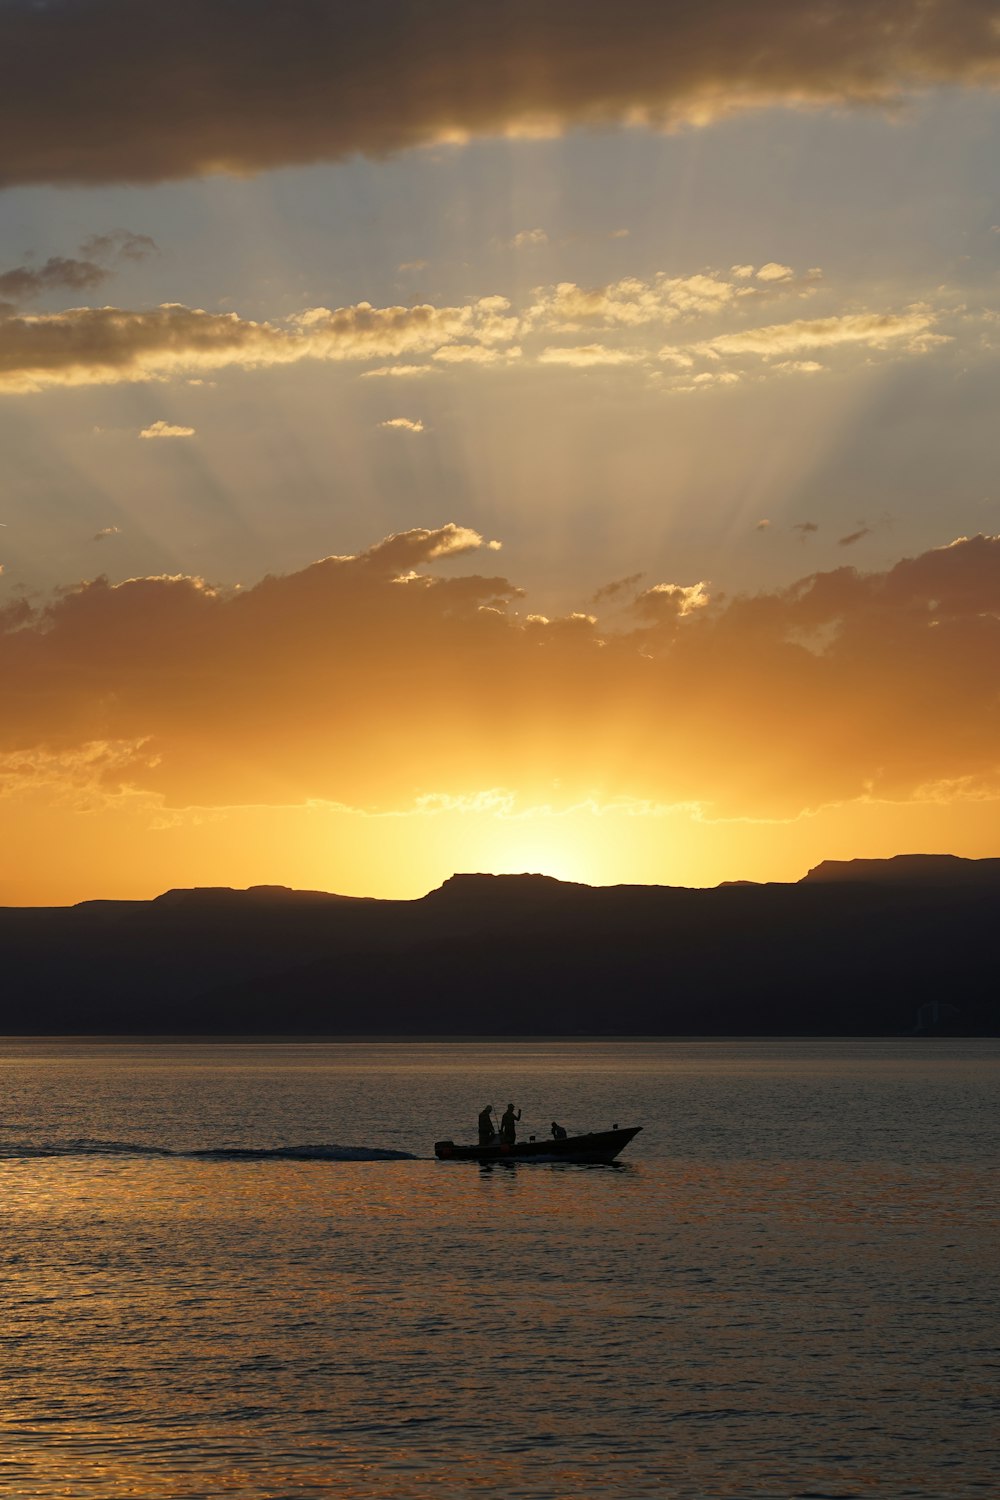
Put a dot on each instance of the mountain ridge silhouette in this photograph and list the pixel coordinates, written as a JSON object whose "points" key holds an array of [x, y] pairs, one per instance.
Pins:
{"points": [[854, 947]]}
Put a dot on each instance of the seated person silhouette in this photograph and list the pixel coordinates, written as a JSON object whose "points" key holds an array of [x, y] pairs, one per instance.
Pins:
{"points": [[558, 1132]]}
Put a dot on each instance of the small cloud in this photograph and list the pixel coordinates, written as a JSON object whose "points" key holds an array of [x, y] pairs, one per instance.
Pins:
{"points": [[402, 371], [121, 244], [874, 330], [762, 525], [528, 239], [584, 355], [209, 385], [412, 265], [805, 528], [725, 377], [774, 271], [614, 589], [166, 430], [619, 234], [106, 531], [676, 357], [742, 273], [476, 354], [403, 424], [673, 600], [854, 536], [800, 366], [58, 273]]}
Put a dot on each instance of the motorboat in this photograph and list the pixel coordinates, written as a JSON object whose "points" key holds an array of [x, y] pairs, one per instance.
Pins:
{"points": [[594, 1146]]}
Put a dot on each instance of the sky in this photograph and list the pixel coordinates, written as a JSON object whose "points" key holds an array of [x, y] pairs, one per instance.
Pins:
{"points": [[527, 435]]}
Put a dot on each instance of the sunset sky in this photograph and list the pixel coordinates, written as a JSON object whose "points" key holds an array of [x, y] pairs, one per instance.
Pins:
{"points": [[443, 435]]}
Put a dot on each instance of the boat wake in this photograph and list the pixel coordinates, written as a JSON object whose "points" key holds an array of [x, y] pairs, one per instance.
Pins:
{"points": [[46, 1150]]}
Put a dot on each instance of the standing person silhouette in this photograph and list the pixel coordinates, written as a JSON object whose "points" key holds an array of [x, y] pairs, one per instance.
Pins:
{"points": [[507, 1132], [486, 1129]]}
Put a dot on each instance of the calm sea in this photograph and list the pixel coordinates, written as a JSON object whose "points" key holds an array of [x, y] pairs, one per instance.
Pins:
{"points": [[236, 1270]]}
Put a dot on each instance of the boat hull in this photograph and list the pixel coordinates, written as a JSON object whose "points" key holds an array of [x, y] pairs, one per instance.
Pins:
{"points": [[597, 1146]]}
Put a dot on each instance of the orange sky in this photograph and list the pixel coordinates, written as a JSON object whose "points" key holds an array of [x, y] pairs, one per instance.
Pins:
{"points": [[562, 438], [378, 720]]}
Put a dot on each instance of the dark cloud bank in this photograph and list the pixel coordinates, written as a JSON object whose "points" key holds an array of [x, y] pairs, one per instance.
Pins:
{"points": [[118, 90]]}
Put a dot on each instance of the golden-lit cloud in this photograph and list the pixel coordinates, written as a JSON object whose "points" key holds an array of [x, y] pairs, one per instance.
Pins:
{"points": [[799, 366], [875, 330], [401, 371], [103, 90], [371, 681], [403, 424], [672, 600], [585, 355], [105, 345], [475, 354], [163, 429], [529, 239], [617, 324], [708, 379], [774, 271], [630, 302]]}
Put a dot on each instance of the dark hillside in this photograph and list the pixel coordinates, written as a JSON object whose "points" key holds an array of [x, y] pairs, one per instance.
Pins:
{"points": [[494, 955]]}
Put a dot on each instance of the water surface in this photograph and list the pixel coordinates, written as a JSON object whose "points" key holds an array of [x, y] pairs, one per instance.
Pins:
{"points": [[236, 1270]]}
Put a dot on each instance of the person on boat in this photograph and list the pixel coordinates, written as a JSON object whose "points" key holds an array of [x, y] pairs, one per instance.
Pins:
{"points": [[558, 1132], [507, 1132], [487, 1132]]}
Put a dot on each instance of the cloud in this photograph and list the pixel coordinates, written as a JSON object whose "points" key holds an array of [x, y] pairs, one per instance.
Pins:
{"points": [[474, 354], [529, 239], [874, 330], [166, 430], [709, 378], [105, 532], [58, 273], [616, 588], [406, 266], [103, 345], [402, 372], [119, 244], [631, 302], [369, 680], [583, 356], [799, 367], [805, 528], [672, 600], [762, 525], [773, 271], [854, 536], [106, 91], [62, 273], [403, 424], [107, 345]]}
